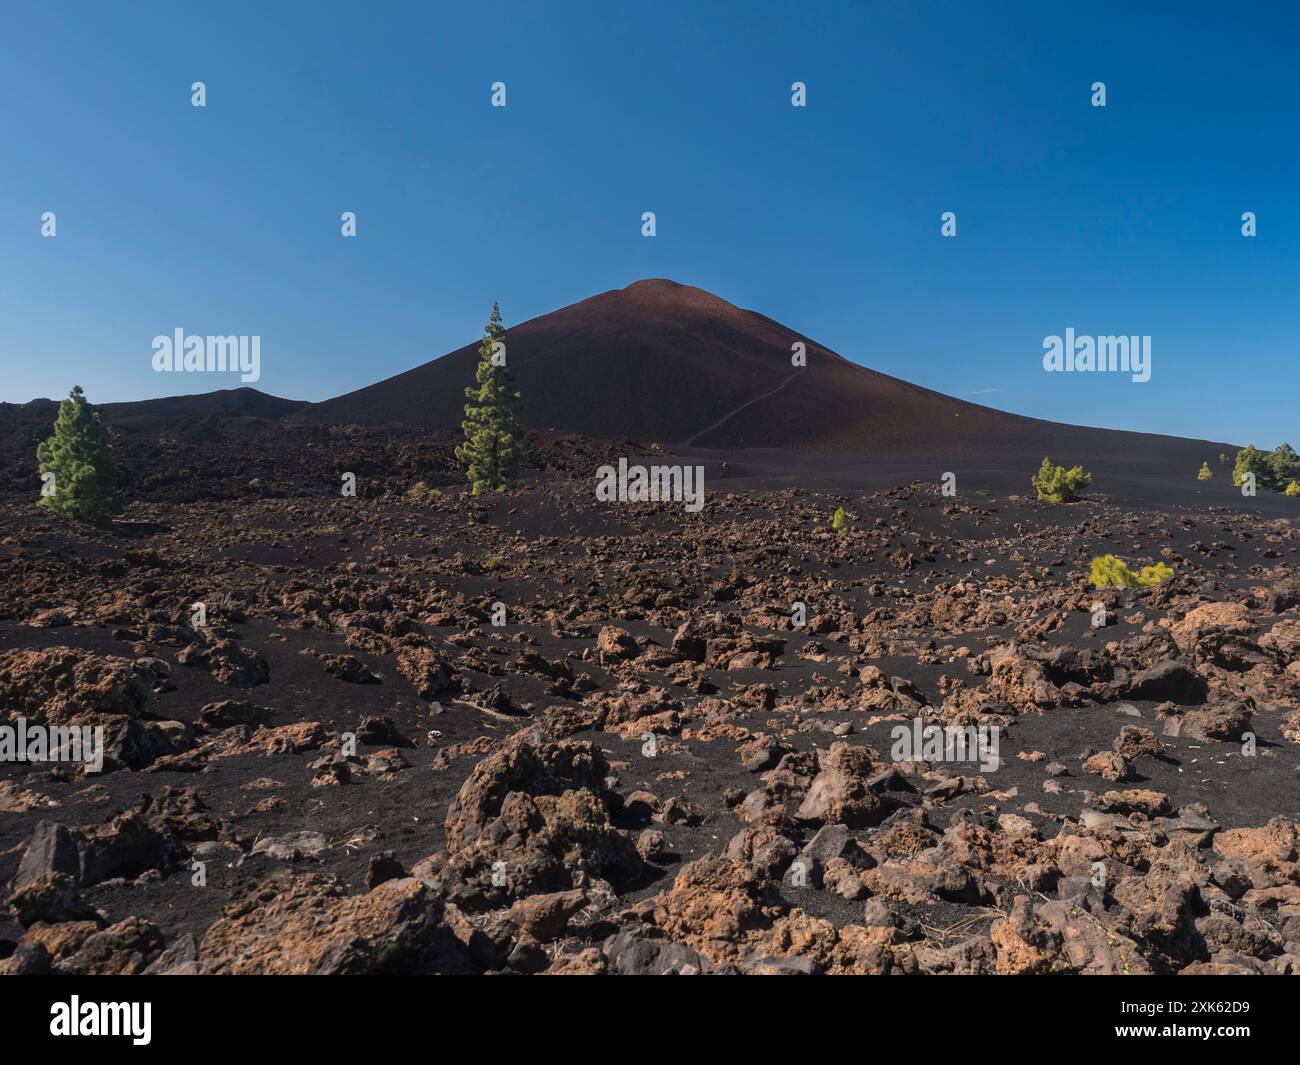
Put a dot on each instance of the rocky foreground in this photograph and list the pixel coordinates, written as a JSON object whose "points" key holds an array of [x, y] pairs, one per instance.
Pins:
{"points": [[541, 734]]}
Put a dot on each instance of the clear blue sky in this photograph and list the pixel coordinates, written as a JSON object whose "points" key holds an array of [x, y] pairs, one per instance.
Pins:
{"points": [[226, 220]]}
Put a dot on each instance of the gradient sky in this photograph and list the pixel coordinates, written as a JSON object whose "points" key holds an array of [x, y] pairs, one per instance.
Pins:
{"points": [[1120, 220]]}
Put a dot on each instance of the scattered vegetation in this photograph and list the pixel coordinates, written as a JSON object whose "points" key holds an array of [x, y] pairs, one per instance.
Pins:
{"points": [[841, 522], [1205, 473], [78, 475], [1056, 484], [420, 490], [1111, 572], [1274, 469], [1293, 489], [492, 450]]}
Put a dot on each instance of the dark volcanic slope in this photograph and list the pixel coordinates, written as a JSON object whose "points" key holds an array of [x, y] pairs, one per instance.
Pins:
{"points": [[226, 402], [672, 364], [154, 414], [215, 444]]}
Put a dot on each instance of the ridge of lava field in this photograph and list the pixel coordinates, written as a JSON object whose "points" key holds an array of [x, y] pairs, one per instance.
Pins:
{"points": [[534, 733]]}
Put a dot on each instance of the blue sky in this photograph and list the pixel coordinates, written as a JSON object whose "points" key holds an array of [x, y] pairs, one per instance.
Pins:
{"points": [[1123, 219]]}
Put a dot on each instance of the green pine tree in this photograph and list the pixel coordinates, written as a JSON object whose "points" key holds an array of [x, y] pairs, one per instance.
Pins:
{"points": [[493, 446], [84, 481], [1284, 465], [1251, 460]]}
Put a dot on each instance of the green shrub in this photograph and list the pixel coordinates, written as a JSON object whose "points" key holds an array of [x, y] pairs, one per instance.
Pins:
{"points": [[1205, 473], [841, 521], [1111, 572], [1153, 575], [1056, 484], [1293, 489], [420, 490], [77, 465]]}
